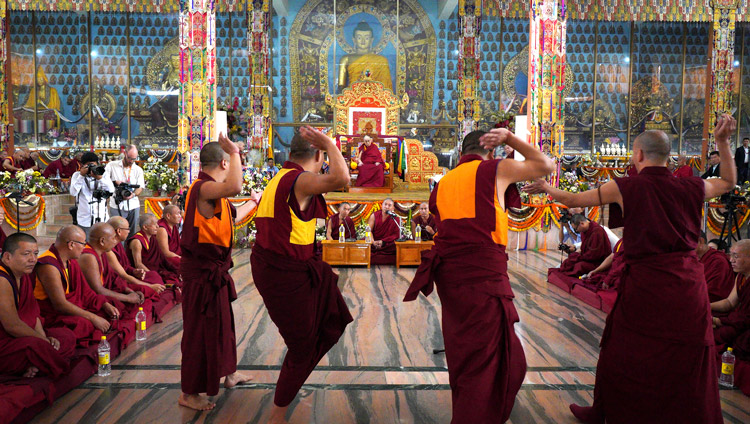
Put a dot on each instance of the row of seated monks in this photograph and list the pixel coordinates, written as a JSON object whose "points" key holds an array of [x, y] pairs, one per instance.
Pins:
{"points": [[385, 226], [80, 289]]}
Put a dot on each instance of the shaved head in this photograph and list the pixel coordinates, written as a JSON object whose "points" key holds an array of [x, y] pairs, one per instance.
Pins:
{"points": [[301, 149], [147, 219], [211, 155], [70, 233], [579, 219], [13, 242], [171, 209], [118, 222], [655, 145], [101, 230], [742, 247]]}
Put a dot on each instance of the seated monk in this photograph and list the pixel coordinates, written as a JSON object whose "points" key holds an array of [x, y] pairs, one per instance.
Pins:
{"points": [[607, 276], [145, 254], [168, 235], [95, 267], [334, 222], [25, 347], [65, 166], [595, 247], [65, 299], [736, 307], [386, 229], [426, 222], [14, 163], [370, 164], [716, 268]]}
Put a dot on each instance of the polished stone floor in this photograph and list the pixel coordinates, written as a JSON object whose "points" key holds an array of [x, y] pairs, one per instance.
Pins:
{"points": [[383, 370]]}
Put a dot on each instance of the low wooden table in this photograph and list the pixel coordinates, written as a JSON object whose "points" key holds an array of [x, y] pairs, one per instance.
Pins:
{"points": [[347, 253], [410, 252]]}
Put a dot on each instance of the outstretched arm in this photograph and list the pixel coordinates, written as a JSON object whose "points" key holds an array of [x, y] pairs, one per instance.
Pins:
{"points": [[725, 127], [608, 193]]}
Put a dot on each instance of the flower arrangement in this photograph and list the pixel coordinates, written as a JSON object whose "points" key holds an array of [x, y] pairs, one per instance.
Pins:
{"points": [[569, 182], [159, 176], [247, 240], [28, 181], [361, 229], [506, 120], [320, 233], [254, 180], [236, 116]]}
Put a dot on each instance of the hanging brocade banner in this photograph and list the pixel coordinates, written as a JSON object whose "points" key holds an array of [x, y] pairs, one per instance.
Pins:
{"points": [[197, 74], [259, 50], [722, 63], [470, 21], [4, 115], [546, 103]]}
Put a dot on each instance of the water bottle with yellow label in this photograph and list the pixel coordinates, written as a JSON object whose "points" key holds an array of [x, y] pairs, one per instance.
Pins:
{"points": [[727, 369], [140, 325], [105, 368]]}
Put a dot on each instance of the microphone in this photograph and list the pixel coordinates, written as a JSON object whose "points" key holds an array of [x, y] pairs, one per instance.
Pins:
{"points": [[391, 213]]}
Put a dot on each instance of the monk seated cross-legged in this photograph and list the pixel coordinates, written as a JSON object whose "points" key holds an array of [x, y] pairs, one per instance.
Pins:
{"points": [[370, 164], [26, 347], [342, 218], [95, 267], [65, 299], [734, 310], [607, 275], [657, 361], [168, 235], [716, 268], [426, 221], [595, 247], [144, 252], [386, 229]]}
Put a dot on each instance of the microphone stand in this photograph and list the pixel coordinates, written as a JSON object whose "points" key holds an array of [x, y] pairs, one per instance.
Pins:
{"points": [[400, 227], [18, 197]]}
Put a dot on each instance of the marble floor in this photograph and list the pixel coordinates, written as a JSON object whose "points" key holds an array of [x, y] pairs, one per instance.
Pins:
{"points": [[383, 370]]}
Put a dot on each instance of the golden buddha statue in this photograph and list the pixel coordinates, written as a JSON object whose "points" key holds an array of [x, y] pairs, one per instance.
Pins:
{"points": [[352, 66], [47, 101]]}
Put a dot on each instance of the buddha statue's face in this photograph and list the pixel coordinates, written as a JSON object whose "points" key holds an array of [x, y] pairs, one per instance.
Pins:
{"points": [[175, 61], [363, 41]]}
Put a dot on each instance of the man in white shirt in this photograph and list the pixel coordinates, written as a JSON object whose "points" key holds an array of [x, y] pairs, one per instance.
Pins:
{"points": [[127, 171], [91, 187]]}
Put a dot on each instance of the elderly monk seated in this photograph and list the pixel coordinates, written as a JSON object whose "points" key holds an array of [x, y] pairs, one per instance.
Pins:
{"points": [[734, 311], [595, 247], [425, 221], [716, 268], [335, 222], [95, 267], [65, 299], [608, 274], [168, 235], [370, 164], [386, 229], [14, 163], [65, 167], [26, 348], [144, 252]]}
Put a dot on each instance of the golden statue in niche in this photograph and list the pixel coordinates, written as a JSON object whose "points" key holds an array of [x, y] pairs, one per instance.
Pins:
{"points": [[29, 97], [159, 119], [352, 66]]}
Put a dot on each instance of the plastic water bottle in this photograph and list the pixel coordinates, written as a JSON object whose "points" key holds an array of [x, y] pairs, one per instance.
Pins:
{"points": [[368, 234], [418, 234], [727, 369], [140, 325], [57, 174], [105, 368], [342, 233]]}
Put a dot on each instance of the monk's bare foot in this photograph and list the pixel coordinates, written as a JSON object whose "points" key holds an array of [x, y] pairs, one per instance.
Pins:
{"points": [[586, 414], [236, 379], [278, 415], [197, 402], [31, 372]]}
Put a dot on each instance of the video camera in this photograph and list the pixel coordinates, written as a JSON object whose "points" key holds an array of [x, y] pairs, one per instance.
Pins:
{"points": [[100, 195], [564, 248], [733, 198], [124, 190], [96, 169], [565, 216], [181, 198]]}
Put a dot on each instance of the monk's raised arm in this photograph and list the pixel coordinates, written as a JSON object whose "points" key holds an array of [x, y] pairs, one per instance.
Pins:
{"points": [[606, 194], [725, 127], [232, 186], [309, 184], [536, 165]]}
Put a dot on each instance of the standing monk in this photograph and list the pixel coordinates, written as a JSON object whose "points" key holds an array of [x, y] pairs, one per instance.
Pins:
{"points": [[716, 269], [25, 347], [468, 263], [657, 361], [332, 229], [168, 234], [425, 221], [209, 347], [370, 164], [298, 289], [385, 225]]}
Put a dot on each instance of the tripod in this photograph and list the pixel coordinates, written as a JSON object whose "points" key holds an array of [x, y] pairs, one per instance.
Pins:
{"points": [[18, 197], [731, 224]]}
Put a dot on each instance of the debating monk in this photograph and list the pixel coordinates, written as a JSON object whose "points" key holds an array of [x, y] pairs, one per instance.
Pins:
{"points": [[736, 307], [209, 346], [144, 252], [335, 221], [716, 269], [65, 299], [386, 229], [26, 348], [425, 221], [298, 289], [595, 247], [370, 164], [468, 264], [168, 234], [657, 361]]}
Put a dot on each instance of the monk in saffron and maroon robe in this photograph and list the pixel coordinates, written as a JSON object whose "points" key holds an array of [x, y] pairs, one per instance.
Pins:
{"points": [[27, 348], [209, 345], [298, 289], [468, 264], [370, 164], [385, 231], [426, 222], [716, 269], [144, 252], [657, 360], [168, 235], [334, 224], [149, 277]]}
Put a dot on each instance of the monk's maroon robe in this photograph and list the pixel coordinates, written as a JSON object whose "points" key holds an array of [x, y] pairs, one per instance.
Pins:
{"points": [[595, 247], [209, 346], [718, 273], [684, 171], [657, 359], [612, 277], [386, 229], [160, 302], [2, 238], [154, 259], [173, 241], [17, 354], [468, 264], [422, 222], [298, 289], [369, 174], [737, 321], [57, 166], [350, 231]]}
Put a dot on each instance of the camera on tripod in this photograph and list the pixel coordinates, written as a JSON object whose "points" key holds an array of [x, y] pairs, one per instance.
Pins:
{"points": [[733, 199], [564, 248], [124, 190], [99, 195]]}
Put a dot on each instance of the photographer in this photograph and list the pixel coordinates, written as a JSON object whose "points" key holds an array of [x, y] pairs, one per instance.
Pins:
{"points": [[129, 182], [91, 187], [567, 233]]}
